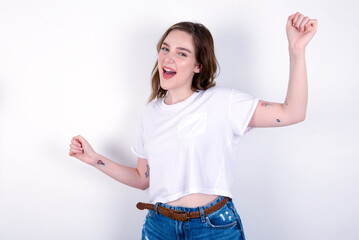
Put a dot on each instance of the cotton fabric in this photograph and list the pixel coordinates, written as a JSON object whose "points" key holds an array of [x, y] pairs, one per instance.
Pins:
{"points": [[191, 146]]}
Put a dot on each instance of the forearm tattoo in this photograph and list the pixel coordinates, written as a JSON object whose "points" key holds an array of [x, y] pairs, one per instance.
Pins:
{"points": [[99, 162], [147, 173], [265, 104]]}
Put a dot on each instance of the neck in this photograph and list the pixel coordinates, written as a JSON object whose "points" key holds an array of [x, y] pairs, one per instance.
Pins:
{"points": [[176, 96]]}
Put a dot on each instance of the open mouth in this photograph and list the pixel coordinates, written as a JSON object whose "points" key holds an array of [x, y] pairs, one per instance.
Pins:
{"points": [[168, 72]]}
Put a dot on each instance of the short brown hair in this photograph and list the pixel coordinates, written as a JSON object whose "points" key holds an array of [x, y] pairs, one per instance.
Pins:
{"points": [[204, 52]]}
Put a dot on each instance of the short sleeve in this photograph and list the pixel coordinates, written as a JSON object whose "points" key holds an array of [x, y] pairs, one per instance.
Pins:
{"points": [[138, 146], [241, 109]]}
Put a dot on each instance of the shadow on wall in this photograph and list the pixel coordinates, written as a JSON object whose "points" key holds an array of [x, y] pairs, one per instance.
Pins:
{"points": [[234, 51], [2, 100], [141, 56], [119, 153], [2, 97]]}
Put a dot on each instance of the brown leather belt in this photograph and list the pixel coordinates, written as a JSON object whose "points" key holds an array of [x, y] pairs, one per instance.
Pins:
{"points": [[181, 215]]}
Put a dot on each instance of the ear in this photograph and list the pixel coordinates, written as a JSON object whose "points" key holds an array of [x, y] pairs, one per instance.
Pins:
{"points": [[198, 68]]}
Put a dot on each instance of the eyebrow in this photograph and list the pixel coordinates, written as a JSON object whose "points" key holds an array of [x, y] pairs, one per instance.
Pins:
{"points": [[179, 48]]}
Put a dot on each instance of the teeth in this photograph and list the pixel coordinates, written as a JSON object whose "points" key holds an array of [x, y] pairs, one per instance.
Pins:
{"points": [[168, 70]]}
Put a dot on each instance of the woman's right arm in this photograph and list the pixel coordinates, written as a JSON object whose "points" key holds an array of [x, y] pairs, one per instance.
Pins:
{"points": [[135, 177]]}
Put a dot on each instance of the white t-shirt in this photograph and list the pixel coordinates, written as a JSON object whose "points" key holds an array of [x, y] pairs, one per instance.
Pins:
{"points": [[191, 145]]}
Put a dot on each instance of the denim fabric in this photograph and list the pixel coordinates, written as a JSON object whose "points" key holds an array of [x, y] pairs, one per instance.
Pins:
{"points": [[222, 224]]}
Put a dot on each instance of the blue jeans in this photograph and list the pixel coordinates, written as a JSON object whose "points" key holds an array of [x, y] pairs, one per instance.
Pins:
{"points": [[222, 224]]}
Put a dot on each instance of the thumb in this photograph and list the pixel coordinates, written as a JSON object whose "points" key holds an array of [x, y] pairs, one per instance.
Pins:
{"points": [[311, 25], [290, 20], [79, 139]]}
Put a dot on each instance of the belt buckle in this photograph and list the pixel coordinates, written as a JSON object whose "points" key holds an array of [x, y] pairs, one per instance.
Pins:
{"points": [[188, 216]]}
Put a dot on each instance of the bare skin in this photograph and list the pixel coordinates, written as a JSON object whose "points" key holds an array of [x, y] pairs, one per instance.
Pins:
{"points": [[300, 30], [194, 200]]}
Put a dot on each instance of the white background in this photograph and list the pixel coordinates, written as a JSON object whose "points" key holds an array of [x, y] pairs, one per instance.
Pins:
{"points": [[83, 67]]}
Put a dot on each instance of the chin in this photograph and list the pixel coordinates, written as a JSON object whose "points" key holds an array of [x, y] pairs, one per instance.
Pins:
{"points": [[164, 86]]}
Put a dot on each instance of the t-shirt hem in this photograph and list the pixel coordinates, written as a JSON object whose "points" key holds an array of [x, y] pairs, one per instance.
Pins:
{"points": [[246, 128], [133, 150]]}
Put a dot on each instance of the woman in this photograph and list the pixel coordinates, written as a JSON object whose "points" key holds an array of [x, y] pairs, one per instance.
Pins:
{"points": [[190, 130]]}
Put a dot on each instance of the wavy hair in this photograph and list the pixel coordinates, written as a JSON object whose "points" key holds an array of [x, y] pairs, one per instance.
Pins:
{"points": [[205, 56]]}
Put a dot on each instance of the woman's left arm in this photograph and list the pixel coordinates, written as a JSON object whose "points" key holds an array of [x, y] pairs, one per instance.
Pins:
{"points": [[300, 31]]}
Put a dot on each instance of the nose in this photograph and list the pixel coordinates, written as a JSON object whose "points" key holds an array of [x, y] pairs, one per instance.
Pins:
{"points": [[169, 58]]}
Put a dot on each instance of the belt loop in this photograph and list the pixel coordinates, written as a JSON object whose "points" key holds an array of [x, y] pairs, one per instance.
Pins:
{"points": [[156, 207], [201, 209]]}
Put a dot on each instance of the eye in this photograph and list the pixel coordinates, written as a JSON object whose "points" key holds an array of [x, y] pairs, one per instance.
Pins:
{"points": [[182, 54], [164, 49]]}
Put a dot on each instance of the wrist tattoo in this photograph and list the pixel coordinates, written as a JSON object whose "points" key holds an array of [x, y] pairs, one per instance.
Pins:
{"points": [[278, 120], [99, 162]]}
